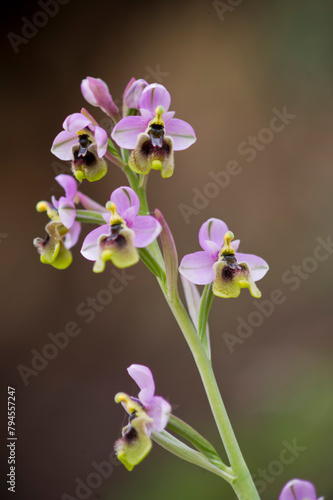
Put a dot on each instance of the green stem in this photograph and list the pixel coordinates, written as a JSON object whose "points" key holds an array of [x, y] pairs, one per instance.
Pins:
{"points": [[243, 484], [177, 425], [181, 450], [205, 305]]}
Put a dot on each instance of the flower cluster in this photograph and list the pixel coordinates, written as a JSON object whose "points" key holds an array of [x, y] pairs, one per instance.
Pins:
{"points": [[144, 137]]}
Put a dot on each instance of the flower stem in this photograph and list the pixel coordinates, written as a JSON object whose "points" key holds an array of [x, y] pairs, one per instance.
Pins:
{"points": [[205, 305], [243, 484], [181, 450]]}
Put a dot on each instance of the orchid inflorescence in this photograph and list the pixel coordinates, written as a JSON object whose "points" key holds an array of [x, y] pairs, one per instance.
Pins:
{"points": [[144, 137]]}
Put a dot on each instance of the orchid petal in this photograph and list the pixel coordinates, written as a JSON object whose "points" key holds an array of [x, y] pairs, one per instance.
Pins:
{"points": [[257, 265], [214, 230], [211, 248], [155, 95], [89, 248], [67, 211], [101, 138], [235, 244], [181, 132], [147, 116], [76, 122], [126, 132], [62, 145], [167, 116], [298, 490], [159, 410], [125, 198], [133, 94], [146, 229], [197, 267], [68, 183], [96, 92], [72, 237], [144, 379]]}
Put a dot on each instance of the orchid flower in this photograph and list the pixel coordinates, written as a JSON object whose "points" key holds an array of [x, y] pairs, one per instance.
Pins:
{"points": [[85, 143], [96, 92], [221, 264], [155, 134], [66, 204], [147, 412], [124, 232], [298, 489], [54, 249]]}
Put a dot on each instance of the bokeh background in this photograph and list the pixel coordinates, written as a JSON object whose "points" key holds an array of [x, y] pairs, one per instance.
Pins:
{"points": [[226, 72]]}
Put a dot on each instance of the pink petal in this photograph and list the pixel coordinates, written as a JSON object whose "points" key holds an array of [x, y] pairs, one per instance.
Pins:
{"points": [[101, 138], [87, 92], [181, 132], [257, 265], [67, 212], [159, 410], [235, 244], [198, 268], [144, 379], [214, 230], [298, 490], [155, 95], [96, 92], [76, 122], [125, 198], [90, 204], [133, 94], [126, 132], [167, 116], [146, 116], [72, 236], [89, 248], [69, 184], [211, 248], [62, 145], [146, 229]]}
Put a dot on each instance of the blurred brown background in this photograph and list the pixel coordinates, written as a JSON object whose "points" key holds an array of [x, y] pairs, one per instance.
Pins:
{"points": [[226, 73]]}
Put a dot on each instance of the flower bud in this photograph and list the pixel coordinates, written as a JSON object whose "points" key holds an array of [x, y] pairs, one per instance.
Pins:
{"points": [[96, 92]]}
